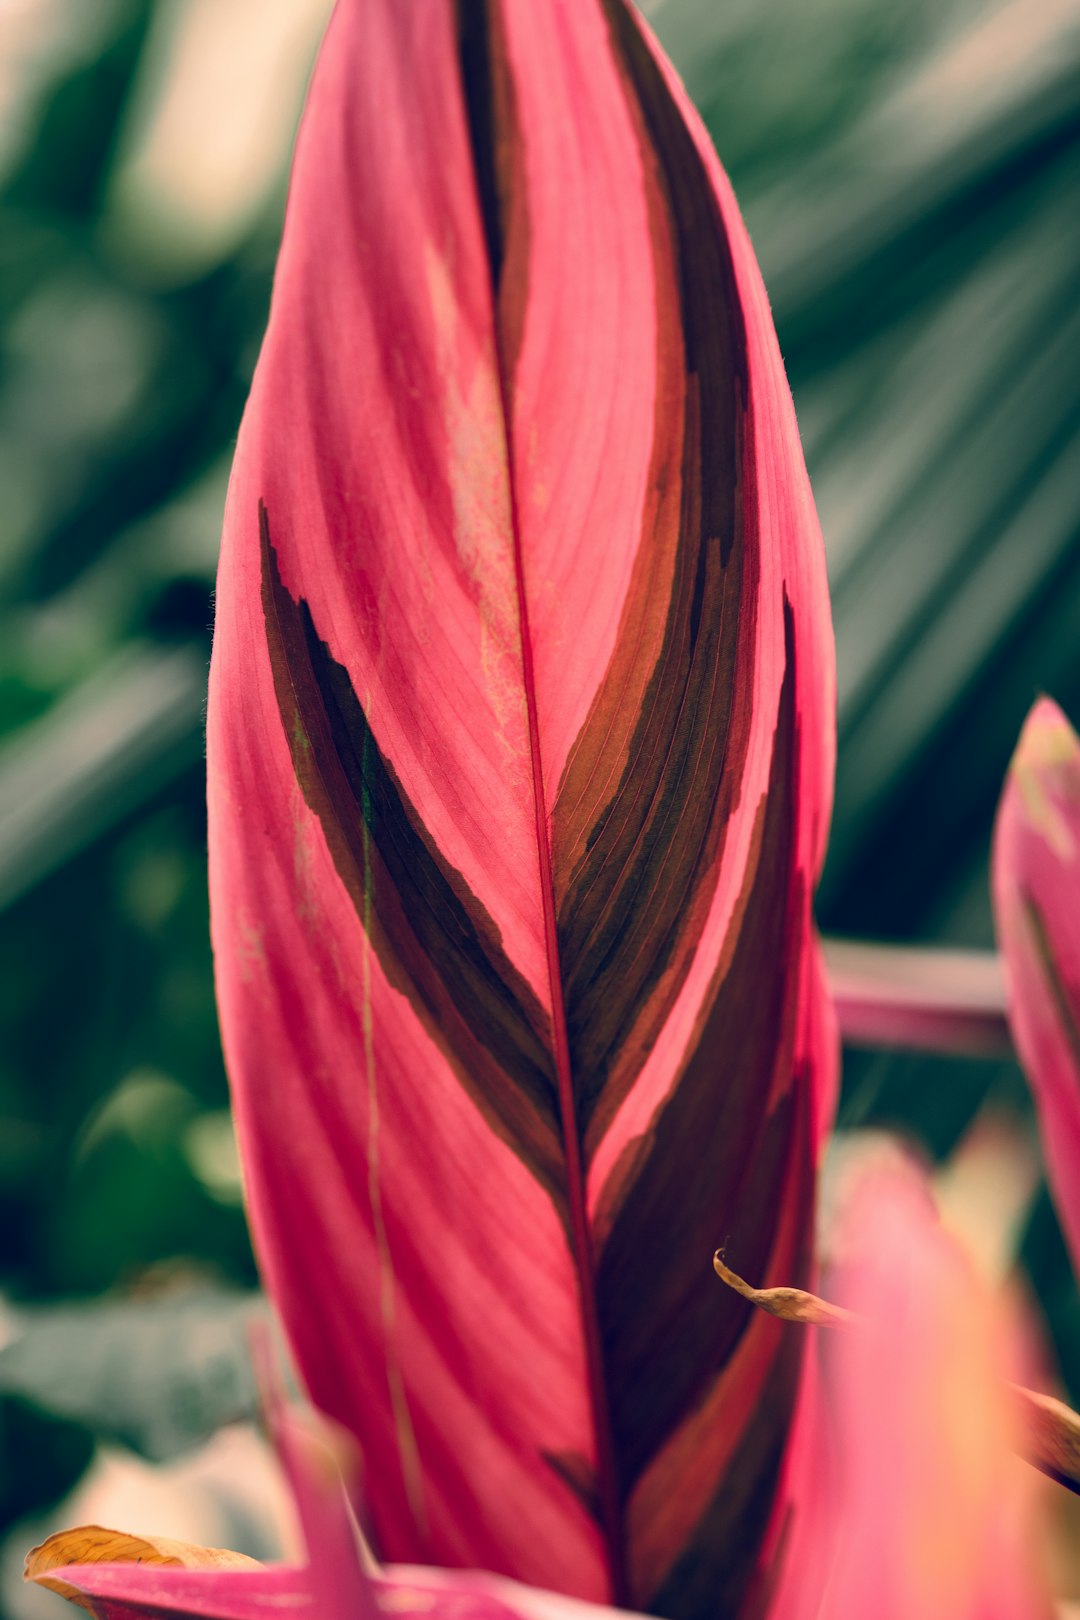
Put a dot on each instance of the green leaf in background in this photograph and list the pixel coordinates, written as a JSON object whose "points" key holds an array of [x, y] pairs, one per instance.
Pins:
{"points": [[159, 1376]]}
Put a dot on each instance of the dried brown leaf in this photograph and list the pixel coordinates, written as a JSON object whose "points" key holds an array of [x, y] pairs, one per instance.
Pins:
{"points": [[1049, 1431], [790, 1304], [90, 1544]]}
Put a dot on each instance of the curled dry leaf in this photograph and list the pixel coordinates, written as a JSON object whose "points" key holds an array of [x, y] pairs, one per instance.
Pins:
{"points": [[789, 1304], [1047, 1431], [90, 1544]]}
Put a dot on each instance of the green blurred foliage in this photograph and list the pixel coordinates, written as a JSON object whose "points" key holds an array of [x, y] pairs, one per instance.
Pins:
{"points": [[910, 178], [159, 1375]]}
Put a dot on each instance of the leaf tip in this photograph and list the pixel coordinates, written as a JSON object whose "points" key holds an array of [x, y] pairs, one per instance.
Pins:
{"points": [[788, 1304], [1045, 772], [1046, 740]]}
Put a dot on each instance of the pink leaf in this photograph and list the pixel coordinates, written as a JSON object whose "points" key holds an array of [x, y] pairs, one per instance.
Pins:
{"points": [[936, 1513], [141, 1592], [1036, 874], [520, 751], [914, 1504]]}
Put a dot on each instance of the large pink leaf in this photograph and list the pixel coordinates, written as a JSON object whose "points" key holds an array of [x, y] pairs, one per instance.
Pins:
{"points": [[1036, 874], [520, 751]]}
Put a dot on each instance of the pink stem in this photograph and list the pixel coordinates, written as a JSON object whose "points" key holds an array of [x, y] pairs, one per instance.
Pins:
{"points": [[918, 998]]}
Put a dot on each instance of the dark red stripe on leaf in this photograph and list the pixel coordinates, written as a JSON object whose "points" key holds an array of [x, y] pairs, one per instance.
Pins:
{"points": [[726, 1159], [716, 1115], [719, 1571], [434, 939], [713, 326], [701, 1586], [491, 114], [635, 866], [477, 74]]}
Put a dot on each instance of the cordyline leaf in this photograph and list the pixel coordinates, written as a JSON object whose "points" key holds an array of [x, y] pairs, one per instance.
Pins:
{"points": [[520, 751], [139, 1591], [1036, 882]]}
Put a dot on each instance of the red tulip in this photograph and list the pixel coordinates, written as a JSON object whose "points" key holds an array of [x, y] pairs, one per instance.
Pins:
{"points": [[520, 752]]}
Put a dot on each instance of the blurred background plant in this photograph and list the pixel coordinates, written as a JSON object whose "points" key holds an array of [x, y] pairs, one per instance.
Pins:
{"points": [[910, 176]]}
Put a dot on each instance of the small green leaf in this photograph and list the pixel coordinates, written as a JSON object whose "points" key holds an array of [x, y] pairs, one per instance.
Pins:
{"points": [[157, 1375]]}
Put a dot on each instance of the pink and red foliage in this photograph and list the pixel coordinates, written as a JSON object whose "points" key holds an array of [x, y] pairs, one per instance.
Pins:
{"points": [[520, 757]]}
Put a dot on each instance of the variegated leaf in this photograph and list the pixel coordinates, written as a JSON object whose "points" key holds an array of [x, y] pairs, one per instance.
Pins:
{"points": [[520, 751]]}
